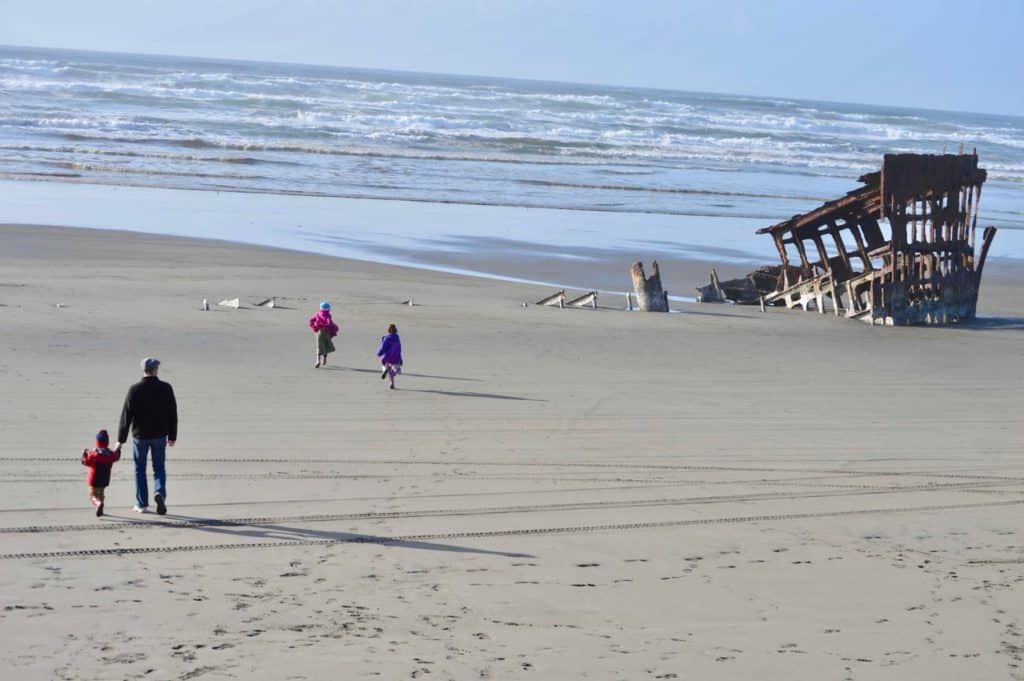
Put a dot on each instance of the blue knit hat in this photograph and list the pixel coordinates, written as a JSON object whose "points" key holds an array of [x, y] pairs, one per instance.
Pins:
{"points": [[325, 305], [102, 439]]}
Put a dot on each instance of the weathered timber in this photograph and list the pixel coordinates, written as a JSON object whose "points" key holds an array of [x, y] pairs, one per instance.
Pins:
{"points": [[748, 290], [924, 272], [650, 296], [556, 298], [584, 300], [712, 293]]}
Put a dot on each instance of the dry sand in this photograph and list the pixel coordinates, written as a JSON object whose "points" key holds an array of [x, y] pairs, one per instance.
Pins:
{"points": [[716, 494]]}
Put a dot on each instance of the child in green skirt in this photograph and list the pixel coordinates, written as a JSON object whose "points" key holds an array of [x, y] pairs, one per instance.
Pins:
{"points": [[325, 329]]}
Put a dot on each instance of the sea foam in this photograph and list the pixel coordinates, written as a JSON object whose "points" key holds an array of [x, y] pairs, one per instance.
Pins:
{"points": [[177, 122]]}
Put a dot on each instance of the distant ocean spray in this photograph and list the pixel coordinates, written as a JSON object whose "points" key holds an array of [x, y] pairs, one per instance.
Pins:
{"points": [[291, 129]]}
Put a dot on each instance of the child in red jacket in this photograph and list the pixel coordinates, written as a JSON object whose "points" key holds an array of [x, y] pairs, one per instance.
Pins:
{"points": [[100, 461]]}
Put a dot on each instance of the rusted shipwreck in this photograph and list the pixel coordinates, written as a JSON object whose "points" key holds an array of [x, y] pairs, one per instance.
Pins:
{"points": [[838, 258]]}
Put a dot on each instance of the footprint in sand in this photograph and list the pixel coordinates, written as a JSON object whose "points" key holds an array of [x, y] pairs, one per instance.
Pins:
{"points": [[791, 648]]}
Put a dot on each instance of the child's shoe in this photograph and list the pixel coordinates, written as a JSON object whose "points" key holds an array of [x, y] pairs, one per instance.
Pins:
{"points": [[99, 510]]}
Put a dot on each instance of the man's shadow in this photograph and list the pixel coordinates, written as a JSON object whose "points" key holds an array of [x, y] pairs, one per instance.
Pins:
{"points": [[270, 532]]}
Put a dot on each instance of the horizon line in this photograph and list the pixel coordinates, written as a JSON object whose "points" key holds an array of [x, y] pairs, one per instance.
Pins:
{"points": [[505, 78]]}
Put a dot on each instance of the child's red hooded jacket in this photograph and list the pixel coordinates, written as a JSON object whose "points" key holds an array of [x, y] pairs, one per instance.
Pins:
{"points": [[100, 461]]}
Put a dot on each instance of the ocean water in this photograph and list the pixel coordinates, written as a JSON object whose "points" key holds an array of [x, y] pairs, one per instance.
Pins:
{"points": [[278, 129]]}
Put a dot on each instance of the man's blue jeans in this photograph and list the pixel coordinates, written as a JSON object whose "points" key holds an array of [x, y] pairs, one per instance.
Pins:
{"points": [[140, 450]]}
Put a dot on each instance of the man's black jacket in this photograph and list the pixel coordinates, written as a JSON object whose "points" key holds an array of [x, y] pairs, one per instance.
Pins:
{"points": [[149, 410]]}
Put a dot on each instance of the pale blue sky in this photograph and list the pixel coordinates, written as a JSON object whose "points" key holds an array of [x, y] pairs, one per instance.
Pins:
{"points": [[940, 54]]}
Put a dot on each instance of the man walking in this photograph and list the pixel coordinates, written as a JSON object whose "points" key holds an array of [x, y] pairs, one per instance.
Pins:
{"points": [[152, 414]]}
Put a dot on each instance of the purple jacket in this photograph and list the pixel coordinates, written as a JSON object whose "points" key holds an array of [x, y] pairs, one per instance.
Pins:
{"points": [[390, 349]]}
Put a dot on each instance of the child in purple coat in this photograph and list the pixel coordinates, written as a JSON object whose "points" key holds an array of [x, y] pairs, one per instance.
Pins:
{"points": [[390, 354]]}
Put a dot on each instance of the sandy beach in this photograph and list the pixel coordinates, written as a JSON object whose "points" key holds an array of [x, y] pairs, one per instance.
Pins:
{"points": [[718, 493]]}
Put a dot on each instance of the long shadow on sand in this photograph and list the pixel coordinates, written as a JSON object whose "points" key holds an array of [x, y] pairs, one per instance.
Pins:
{"points": [[980, 324], [467, 393], [269, 532], [715, 313], [991, 324], [404, 373]]}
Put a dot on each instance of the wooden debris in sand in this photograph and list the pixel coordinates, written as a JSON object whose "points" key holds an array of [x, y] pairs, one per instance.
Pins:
{"points": [[584, 300], [556, 298], [650, 296], [747, 290]]}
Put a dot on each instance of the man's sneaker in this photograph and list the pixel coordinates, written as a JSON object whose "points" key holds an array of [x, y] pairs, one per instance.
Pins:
{"points": [[160, 508], [140, 509], [99, 509]]}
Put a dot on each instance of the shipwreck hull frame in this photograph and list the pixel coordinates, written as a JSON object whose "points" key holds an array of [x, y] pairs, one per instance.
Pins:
{"points": [[837, 258]]}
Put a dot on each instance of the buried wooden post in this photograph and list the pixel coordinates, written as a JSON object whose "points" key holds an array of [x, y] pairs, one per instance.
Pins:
{"points": [[650, 296]]}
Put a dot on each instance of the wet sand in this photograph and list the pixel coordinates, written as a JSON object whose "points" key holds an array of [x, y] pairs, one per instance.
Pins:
{"points": [[718, 493]]}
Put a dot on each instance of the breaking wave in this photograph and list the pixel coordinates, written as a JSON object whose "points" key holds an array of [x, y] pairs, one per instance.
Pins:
{"points": [[320, 129]]}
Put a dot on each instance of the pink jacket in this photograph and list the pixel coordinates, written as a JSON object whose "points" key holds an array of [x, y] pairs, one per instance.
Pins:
{"points": [[322, 320]]}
